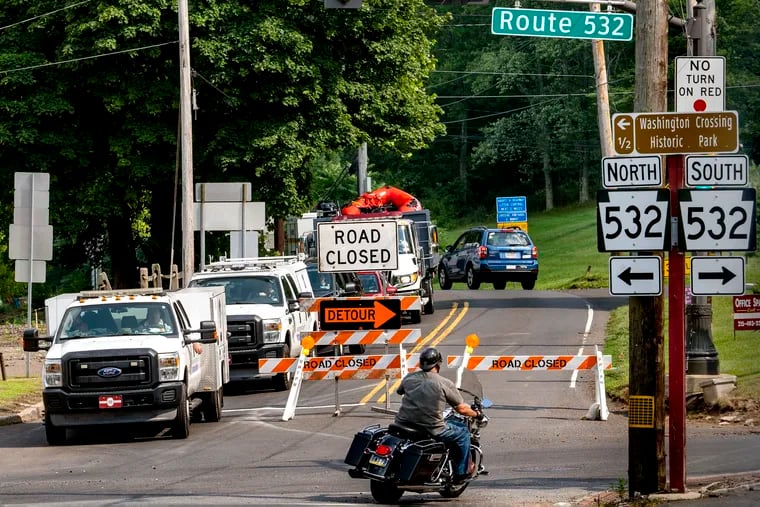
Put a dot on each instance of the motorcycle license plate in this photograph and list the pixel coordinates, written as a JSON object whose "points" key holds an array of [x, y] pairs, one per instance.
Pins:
{"points": [[112, 401], [378, 461]]}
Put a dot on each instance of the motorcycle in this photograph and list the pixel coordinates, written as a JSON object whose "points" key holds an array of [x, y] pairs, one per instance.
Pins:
{"points": [[399, 458]]}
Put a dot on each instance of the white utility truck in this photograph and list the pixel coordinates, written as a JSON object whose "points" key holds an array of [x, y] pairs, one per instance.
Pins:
{"points": [[133, 356], [264, 314]]}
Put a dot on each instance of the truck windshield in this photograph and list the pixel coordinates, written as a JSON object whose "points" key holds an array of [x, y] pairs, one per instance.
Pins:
{"points": [[405, 240], [246, 289], [117, 319]]}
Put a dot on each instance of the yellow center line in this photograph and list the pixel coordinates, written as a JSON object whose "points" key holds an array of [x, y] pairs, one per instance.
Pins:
{"points": [[432, 343], [434, 332]]}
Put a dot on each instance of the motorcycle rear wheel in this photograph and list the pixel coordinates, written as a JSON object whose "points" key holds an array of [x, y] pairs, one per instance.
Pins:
{"points": [[453, 491], [384, 492]]}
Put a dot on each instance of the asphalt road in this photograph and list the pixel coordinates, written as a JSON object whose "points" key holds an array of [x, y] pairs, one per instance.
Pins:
{"points": [[539, 449]]}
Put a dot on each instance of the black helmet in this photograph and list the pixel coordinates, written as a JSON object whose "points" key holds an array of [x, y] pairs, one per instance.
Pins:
{"points": [[429, 358]]}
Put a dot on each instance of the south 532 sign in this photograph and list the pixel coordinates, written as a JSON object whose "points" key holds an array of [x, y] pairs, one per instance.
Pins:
{"points": [[633, 220], [717, 219]]}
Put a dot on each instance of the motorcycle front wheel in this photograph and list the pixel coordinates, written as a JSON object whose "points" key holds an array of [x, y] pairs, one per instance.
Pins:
{"points": [[384, 492]]}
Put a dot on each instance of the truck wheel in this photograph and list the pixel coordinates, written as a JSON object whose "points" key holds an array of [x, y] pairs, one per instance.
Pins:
{"points": [[443, 278], [499, 284], [429, 307], [283, 381], [181, 424], [212, 406], [56, 435], [528, 284], [473, 280]]}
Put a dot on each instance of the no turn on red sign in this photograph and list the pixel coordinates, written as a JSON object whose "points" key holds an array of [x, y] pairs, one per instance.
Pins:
{"points": [[700, 84]]}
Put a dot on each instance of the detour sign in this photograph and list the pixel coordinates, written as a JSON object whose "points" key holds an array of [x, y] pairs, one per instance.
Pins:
{"points": [[359, 314]]}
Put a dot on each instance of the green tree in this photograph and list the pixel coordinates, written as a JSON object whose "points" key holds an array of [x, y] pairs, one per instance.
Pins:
{"points": [[279, 83]]}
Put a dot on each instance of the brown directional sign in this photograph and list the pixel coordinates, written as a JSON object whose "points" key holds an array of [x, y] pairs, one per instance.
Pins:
{"points": [[672, 133], [353, 314]]}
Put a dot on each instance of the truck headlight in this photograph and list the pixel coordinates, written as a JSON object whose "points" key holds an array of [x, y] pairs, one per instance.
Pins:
{"points": [[168, 366], [272, 329], [53, 373], [404, 280]]}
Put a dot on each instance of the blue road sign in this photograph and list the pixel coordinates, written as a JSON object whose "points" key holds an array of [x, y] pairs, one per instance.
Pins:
{"points": [[511, 209]]}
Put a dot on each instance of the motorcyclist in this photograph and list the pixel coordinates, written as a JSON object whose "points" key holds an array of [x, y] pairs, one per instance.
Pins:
{"points": [[425, 395]]}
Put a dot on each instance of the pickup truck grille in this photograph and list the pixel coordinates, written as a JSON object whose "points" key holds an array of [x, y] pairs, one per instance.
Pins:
{"points": [[110, 371], [244, 332]]}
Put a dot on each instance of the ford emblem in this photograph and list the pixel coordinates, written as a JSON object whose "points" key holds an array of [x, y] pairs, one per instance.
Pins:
{"points": [[109, 372]]}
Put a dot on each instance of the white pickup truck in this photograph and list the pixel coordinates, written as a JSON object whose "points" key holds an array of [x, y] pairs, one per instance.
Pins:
{"points": [[133, 356]]}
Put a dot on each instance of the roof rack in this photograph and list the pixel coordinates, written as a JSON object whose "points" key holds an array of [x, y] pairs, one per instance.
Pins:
{"points": [[250, 263], [148, 291]]}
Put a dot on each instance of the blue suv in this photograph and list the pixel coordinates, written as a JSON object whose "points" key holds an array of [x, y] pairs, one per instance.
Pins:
{"points": [[497, 256]]}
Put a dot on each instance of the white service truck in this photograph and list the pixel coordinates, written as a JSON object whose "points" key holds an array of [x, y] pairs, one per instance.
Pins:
{"points": [[264, 313], [133, 356]]}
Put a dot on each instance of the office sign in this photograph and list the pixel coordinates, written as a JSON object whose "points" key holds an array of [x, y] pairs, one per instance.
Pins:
{"points": [[563, 24], [633, 220], [717, 171], [747, 312], [675, 133], [719, 220]]}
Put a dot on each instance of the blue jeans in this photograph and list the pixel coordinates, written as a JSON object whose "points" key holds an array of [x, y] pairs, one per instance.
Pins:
{"points": [[457, 433]]}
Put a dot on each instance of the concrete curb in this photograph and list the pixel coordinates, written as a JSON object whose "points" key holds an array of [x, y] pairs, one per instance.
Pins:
{"points": [[29, 414]]}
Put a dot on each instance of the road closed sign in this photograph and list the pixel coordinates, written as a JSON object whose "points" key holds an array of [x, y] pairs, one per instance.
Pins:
{"points": [[357, 245]]}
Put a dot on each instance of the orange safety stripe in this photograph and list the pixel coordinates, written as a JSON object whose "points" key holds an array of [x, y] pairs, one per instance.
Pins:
{"points": [[529, 363]]}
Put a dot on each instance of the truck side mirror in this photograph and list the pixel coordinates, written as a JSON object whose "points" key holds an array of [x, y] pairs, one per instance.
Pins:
{"points": [[33, 342], [208, 332]]}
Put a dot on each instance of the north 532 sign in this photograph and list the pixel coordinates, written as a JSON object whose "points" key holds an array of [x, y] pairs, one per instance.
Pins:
{"points": [[717, 219], [633, 220]]}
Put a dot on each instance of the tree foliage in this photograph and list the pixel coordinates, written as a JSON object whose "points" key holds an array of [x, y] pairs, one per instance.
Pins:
{"points": [[90, 95]]}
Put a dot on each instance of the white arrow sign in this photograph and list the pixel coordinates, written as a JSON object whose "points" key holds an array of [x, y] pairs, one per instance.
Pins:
{"points": [[717, 276], [636, 276]]}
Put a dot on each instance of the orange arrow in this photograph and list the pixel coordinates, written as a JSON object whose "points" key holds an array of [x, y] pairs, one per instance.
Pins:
{"points": [[378, 314]]}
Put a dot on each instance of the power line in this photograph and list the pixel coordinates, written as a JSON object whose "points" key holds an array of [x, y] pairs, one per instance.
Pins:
{"points": [[44, 15], [73, 60]]}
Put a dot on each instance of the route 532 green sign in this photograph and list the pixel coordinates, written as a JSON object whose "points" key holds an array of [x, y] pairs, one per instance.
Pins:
{"points": [[564, 24]]}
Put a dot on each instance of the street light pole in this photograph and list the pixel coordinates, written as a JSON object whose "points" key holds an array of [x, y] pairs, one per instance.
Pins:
{"points": [[701, 354]]}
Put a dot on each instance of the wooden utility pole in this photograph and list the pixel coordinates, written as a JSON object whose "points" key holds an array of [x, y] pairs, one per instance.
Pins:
{"points": [[186, 134], [602, 95], [646, 445]]}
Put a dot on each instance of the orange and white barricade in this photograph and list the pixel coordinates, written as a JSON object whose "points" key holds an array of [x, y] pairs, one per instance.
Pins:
{"points": [[365, 337], [362, 367], [597, 362]]}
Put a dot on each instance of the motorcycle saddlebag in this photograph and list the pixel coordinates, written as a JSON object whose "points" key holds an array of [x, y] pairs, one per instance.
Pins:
{"points": [[361, 441], [420, 460]]}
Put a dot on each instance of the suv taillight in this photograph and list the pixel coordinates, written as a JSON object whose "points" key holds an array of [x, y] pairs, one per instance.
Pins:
{"points": [[482, 252], [534, 252]]}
